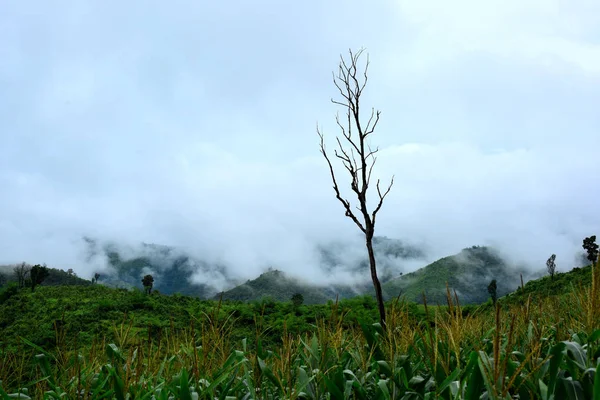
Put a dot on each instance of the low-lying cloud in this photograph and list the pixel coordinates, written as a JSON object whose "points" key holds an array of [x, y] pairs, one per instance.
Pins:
{"points": [[142, 134]]}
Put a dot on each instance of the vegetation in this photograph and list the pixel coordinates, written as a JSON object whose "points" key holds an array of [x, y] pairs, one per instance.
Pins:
{"points": [[468, 273], [493, 291], [148, 281], [277, 285], [20, 275], [97, 342], [38, 274], [551, 266], [297, 299], [591, 247]]}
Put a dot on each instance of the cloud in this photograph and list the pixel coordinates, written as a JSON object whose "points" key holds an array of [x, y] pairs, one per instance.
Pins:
{"points": [[194, 125]]}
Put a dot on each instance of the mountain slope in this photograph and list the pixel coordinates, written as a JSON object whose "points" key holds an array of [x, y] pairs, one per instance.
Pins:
{"points": [[175, 271], [55, 277], [280, 287], [562, 283], [468, 273]]}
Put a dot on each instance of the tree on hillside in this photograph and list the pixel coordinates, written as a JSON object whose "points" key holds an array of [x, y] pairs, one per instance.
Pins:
{"points": [[22, 273], [590, 246], [38, 273], [148, 282], [95, 278], [2, 279], [357, 157], [551, 265], [297, 300], [493, 291]]}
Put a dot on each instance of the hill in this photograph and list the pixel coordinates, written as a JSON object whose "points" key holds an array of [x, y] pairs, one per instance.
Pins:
{"points": [[278, 286], [561, 284], [55, 277], [176, 271], [468, 273]]}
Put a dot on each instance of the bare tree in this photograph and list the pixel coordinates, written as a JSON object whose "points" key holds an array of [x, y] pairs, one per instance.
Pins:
{"points": [[551, 265], [357, 157], [22, 272]]}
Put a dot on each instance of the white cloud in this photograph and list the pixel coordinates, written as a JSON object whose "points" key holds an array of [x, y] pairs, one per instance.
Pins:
{"points": [[194, 125]]}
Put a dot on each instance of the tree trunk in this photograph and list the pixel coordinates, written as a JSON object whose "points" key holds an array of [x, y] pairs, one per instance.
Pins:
{"points": [[376, 284]]}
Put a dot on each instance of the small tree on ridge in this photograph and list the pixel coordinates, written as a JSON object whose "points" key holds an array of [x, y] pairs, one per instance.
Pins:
{"points": [[551, 265]]}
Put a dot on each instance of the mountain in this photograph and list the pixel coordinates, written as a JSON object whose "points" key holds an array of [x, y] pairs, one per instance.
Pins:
{"points": [[55, 277], [279, 286], [175, 271], [468, 273], [546, 286]]}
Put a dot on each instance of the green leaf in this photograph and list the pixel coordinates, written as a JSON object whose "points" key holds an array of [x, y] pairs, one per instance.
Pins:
{"points": [[597, 384], [573, 389], [475, 379], [446, 383], [184, 385], [594, 336], [578, 355], [557, 354], [543, 390], [334, 391], [384, 389]]}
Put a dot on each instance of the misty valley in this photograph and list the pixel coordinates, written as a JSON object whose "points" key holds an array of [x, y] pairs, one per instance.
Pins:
{"points": [[174, 225], [148, 323]]}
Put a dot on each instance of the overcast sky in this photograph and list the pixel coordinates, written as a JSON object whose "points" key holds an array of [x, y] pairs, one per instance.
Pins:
{"points": [[192, 123]]}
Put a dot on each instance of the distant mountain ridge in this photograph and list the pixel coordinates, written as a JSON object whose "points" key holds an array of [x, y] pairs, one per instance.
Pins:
{"points": [[175, 271], [280, 286], [468, 273], [56, 277]]}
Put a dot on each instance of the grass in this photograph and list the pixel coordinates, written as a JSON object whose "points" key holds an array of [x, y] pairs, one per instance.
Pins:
{"points": [[546, 347]]}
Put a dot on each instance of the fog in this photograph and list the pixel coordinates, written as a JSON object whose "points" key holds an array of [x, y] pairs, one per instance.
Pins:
{"points": [[194, 126]]}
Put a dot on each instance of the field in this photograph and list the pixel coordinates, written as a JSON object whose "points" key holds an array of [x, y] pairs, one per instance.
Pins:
{"points": [[93, 342]]}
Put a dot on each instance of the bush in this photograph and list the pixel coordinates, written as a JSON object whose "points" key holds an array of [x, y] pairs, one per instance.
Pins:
{"points": [[8, 291]]}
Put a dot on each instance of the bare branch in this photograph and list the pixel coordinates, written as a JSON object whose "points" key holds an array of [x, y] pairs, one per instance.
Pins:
{"points": [[371, 170], [338, 195], [370, 129], [381, 198]]}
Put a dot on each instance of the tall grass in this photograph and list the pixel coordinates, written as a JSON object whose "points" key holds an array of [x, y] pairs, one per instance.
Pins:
{"points": [[546, 350]]}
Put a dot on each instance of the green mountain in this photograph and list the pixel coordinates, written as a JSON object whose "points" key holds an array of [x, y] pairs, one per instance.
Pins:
{"points": [[278, 286], [560, 284], [56, 277], [175, 271], [468, 273]]}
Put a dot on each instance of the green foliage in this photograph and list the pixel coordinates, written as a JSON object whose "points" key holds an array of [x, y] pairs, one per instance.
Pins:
{"points": [[297, 299], [591, 247], [148, 281], [551, 266], [98, 342], [38, 274], [6, 292], [562, 283], [277, 285], [493, 291], [468, 273]]}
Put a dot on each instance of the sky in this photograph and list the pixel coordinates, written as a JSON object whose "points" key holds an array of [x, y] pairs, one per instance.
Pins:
{"points": [[193, 124]]}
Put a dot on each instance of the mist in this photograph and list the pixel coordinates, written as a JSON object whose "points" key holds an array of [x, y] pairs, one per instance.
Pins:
{"points": [[194, 126]]}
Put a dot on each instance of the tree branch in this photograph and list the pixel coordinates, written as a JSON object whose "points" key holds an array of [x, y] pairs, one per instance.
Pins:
{"points": [[338, 195]]}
